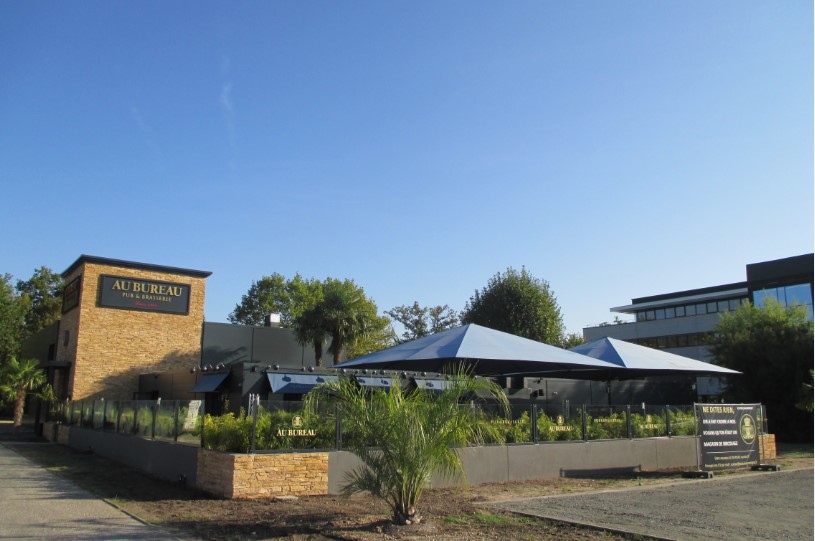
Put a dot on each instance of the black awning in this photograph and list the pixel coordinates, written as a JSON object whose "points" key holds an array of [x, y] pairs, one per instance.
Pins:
{"points": [[374, 381], [297, 383], [435, 385], [209, 383]]}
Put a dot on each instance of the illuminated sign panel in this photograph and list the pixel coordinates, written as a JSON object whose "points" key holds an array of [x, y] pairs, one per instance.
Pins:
{"points": [[144, 295]]}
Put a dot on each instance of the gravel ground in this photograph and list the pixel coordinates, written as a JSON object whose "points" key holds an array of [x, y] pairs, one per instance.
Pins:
{"points": [[760, 506]]}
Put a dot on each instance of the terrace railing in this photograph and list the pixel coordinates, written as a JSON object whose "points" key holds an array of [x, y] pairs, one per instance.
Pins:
{"points": [[271, 426]]}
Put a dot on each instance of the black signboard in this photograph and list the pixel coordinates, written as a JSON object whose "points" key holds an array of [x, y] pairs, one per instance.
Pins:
{"points": [[145, 295], [728, 435], [70, 294]]}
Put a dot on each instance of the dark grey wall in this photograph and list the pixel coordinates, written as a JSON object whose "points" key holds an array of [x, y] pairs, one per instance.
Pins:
{"points": [[524, 462], [486, 464], [166, 460], [228, 344], [654, 390]]}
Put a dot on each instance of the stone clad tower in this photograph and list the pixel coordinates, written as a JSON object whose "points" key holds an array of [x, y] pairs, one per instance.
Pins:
{"points": [[121, 319]]}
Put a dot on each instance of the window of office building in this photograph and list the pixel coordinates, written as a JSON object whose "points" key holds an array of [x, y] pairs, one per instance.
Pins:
{"points": [[689, 310], [786, 295]]}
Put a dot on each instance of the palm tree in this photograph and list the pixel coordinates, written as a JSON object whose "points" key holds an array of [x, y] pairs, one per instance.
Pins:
{"points": [[403, 436], [309, 329], [345, 314], [17, 379]]}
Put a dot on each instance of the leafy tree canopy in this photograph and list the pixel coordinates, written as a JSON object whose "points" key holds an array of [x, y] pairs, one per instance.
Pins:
{"points": [[517, 303], [12, 319], [773, 347], [420, 321], [43, 293], [276, 295], [27, 308], [572, 339]]}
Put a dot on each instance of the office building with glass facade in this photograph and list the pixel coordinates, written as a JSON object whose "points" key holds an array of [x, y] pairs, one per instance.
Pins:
{"points": [[680, 322]]}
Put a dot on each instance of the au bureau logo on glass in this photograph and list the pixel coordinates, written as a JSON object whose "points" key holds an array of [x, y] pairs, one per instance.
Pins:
{"points": [[297, 430]]}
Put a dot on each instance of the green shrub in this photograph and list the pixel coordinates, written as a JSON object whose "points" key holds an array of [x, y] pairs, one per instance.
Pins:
{"points": [[228, 432], [682, 423], [513, 430]]}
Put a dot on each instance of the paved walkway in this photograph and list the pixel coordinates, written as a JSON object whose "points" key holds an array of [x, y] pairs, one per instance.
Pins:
{"points": [[761, 506], [36, 504]]}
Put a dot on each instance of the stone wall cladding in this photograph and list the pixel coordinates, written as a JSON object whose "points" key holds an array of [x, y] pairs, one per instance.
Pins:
{"points": [[768, 446], [262, 476], [111, 347], [63, 434]]}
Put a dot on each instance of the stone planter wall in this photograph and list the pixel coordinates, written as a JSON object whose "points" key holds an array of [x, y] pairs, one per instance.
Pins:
{"points": [[262, 475], [768, 445]]}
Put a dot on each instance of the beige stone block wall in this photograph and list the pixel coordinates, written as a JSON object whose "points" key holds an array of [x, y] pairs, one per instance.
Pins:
{"points": [[63, 434], [262, 476], [768, 446], [110, 347]]}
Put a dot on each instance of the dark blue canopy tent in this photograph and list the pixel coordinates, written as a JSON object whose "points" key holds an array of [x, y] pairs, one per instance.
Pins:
{"points": [[639, 361], [483, 351]]}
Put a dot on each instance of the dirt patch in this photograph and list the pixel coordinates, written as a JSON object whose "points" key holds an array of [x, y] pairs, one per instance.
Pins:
{"points": [[452, 513]]}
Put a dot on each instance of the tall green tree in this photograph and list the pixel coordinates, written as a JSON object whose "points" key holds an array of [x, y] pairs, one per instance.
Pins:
{"points": [[773, 348], [404, 436], [43, 293], [517, 303], [276, 295], [13, 310], [17, 379], [419, 321]]}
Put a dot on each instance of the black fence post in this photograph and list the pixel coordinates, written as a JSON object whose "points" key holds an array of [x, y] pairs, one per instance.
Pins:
{"points": [[135, 417], [534, 423], [254, 402], [667, 420], [203, 413], [118, 416], [154, 409], [104, 414], [338, 426], [175, 422], [628, 421], [585, 427]]}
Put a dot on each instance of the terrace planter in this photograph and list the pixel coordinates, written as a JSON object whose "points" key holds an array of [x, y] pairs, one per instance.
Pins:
{"points": [[258, 476]]}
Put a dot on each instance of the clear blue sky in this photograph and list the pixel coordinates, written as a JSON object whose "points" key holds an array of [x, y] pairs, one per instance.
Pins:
{"points": [[616, 149]]}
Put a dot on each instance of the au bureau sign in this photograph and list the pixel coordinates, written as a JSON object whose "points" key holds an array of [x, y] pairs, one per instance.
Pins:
{"points": [[145, 295]]}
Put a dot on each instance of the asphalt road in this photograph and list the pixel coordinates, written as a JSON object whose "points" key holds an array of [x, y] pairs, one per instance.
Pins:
{"points": [[758, 506]]}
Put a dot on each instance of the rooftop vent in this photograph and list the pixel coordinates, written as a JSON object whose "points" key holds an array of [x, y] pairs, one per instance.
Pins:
{"points": [[272, 320]]}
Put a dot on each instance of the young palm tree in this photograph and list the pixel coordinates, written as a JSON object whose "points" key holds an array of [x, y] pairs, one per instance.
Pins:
{"points": [[404, 436], [16, 380]]}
